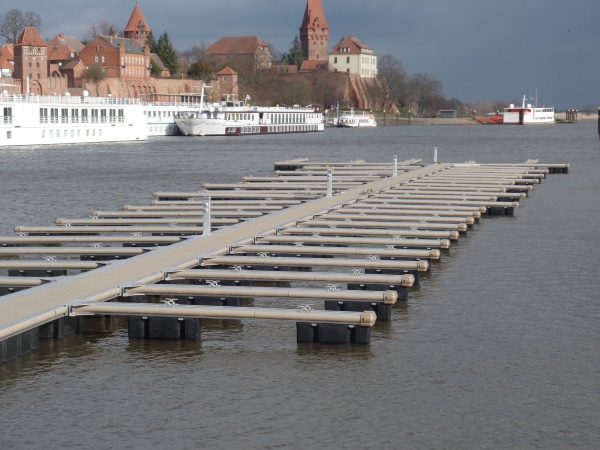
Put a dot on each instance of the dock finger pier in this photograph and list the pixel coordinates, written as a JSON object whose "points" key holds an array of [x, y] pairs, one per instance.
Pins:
{"points": [[330, 246]]}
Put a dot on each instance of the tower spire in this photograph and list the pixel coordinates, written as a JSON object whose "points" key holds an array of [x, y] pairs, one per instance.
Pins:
{"points": [[314, 32], [137, 28]]}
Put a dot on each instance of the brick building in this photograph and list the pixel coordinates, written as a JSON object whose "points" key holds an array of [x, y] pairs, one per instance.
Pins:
{"points": [[31, 66], [314, 33], [249, 51], [119, 57]]}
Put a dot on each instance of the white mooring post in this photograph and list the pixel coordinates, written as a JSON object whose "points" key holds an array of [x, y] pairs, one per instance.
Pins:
{"points": [[206, 226], [329, 183], [435, 155], [395, 169]]}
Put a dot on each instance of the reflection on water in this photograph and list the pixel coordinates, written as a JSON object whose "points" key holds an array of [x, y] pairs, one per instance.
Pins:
{"points": [[497, 348]]}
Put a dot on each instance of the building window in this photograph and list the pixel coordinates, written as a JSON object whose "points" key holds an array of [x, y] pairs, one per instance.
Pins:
{"points": [[103, 59], [96, 59], [335, 59], [348, 59]]}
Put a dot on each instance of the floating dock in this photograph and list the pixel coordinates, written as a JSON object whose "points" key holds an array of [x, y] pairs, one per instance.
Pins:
{"points": [[333, 244]]}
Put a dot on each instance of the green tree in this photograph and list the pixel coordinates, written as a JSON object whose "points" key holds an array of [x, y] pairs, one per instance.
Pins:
{"points": [[201, 70], [167, 53], [14, 21], [156, 70], [151, 43], [95, 73], [294, 56]]}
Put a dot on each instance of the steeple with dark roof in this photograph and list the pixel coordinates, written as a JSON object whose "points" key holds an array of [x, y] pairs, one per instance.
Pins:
{"points": [[314, 32]]}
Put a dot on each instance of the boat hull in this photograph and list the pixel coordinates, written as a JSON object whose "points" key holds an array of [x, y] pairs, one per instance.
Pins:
{"points": [[356, 120], [205, 127]]}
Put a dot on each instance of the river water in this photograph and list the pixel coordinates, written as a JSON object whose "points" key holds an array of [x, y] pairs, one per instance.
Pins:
{"points": [[498, 348]]}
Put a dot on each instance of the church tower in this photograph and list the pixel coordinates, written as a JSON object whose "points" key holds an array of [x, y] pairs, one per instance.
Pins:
{"points": [[137, 28], [314, 32]]}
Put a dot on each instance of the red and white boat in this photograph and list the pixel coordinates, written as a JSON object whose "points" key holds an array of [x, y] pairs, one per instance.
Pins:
{"points": [[527, 114]]}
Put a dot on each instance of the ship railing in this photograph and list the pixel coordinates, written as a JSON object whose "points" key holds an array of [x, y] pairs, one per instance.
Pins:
{"points": [[69, 99]]}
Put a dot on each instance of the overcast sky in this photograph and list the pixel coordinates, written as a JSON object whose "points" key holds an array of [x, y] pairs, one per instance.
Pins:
{"points": [[479, 49]]}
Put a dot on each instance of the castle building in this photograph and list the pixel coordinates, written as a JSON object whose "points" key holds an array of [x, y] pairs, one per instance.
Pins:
{"points": [[350, 55], [314, 32], [119, 57], [126, 58], [31, 64]]}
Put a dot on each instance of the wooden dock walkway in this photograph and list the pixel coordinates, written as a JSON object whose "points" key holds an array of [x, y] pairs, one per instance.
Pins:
{"points": [[385, 227]]}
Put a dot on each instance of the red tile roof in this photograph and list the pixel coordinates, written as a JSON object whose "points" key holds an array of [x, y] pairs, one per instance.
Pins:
{"points": [[137, 19], [31, 38], [313, 64], [5, 63], [72, 42], [236, 45], [227, 71], [60, 53], [7, 51], [354, 45], [314, 15]]}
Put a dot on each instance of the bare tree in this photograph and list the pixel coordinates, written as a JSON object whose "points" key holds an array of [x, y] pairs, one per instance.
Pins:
{"points": [[392, 79], [101, 28], [14, 21], [327, 88], [425, 94]]}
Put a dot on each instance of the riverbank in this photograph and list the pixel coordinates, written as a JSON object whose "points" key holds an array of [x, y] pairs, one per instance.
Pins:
{"points": [[402, 121], [425, 121]]}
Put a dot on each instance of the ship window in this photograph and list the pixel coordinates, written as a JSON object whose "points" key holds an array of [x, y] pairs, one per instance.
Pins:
{"points": [[9, 135]]}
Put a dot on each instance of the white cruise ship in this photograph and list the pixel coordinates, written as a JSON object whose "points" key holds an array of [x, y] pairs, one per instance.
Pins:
{"points": [[234, 118], [27, 119], [160, 114]]}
